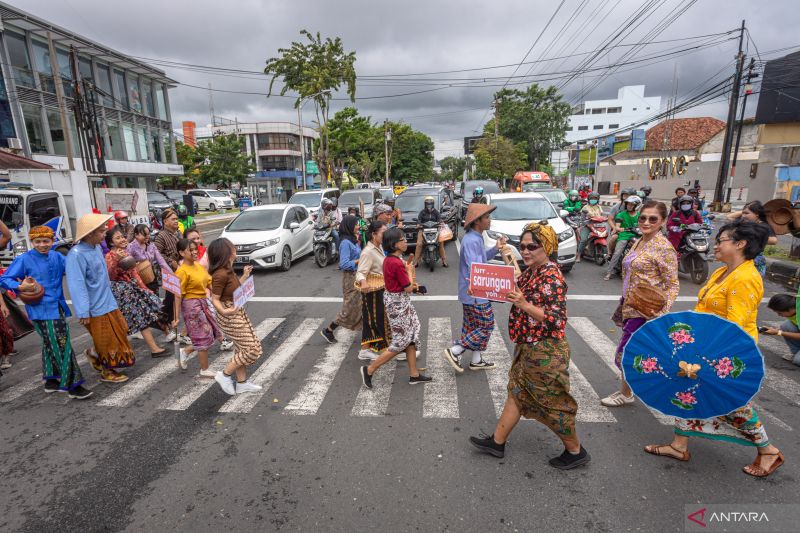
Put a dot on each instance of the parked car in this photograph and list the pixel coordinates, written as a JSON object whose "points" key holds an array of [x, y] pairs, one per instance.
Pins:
{"points": [[354, 197], [411, 201], [514, 210], [211, 200], [158, 201], [175, 196], [556, 196], [270, 236], [311, 200], [466, 188], [388, 195]]}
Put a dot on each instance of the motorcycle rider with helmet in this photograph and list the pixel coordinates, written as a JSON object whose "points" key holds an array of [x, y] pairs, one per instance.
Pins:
{"points": [[330, 215], [647, 190], [428, 214], [477, 194], [185, 221], [590, 210], [572, 204], [686, 214], [121, 220], [624, 222], [623, 195]]}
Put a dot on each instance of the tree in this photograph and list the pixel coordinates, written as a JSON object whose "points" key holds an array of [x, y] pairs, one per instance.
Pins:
{"points": [[411, 154], [352, 144], [537, 118], [187, 156], [498, 158], [453, 167], [315, 69], [224, 160]]}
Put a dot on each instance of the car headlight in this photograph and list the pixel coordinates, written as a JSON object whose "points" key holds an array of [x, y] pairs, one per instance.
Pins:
{"points": [[20, 247], [266, 244], [566, 234]]}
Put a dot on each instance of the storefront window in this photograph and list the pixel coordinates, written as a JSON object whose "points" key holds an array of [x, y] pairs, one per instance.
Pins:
{"points": [[130, 141], [56, 132], [141, 138], [134, 95], [41, 56], [33, 125], [104, 84], [162, 105], [167, 147], [20, 62], [279, 162], [7, 130], [85, 68], [122, 97], [115, 140], [147, 98], [65, 72]]}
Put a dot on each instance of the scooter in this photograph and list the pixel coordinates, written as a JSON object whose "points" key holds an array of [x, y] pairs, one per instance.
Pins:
{"points": [[324, 245], [430, 240], [597, 244], [692, 251]]}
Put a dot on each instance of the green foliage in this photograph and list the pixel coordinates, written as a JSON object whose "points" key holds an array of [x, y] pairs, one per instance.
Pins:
{"points": [[453, 168], [187, 156], [535, 118], [223, 160], [498, 158]]}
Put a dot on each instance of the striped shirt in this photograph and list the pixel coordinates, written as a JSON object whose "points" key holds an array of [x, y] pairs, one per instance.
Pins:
{"points": [[167, 244]]}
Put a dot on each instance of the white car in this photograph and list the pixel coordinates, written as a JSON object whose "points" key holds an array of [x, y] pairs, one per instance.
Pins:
{"points": [[312, 200], [211, 200], [515, 210], [269, 236]]}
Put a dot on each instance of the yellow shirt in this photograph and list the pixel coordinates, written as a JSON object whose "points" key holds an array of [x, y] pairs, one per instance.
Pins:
{"points": [[736, 298], [194, 281]]}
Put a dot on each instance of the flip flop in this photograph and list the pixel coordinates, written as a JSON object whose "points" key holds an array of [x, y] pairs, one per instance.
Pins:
{"points": [[654, 449]]}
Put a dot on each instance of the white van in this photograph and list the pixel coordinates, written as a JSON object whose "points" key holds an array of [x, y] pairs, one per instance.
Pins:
{"points": [[211, 200]]}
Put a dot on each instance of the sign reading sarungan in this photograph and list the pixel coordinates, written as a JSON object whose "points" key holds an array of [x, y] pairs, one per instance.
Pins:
{"points": [[667, 166]]}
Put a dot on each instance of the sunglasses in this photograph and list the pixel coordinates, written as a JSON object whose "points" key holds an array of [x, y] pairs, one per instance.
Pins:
{"points": [[530, 247], [652, 219]]}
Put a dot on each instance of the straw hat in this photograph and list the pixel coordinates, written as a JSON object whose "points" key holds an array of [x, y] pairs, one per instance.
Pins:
{"points": [[780, 215], [476, 211], [89, 223]]}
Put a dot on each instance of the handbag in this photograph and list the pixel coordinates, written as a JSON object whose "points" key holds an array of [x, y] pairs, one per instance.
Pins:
{"points": [[646, 299], [145, 270]]}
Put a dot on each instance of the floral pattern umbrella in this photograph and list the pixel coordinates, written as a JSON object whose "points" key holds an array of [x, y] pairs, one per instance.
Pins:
{"points": [[693, 365]]}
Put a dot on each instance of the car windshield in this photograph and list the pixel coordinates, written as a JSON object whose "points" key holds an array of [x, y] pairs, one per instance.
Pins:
{"points": [[9, 204], [155, 197], [174, 195], [386, 194], [414, 202], [257, 220], [522, 209], [489, 187], [306, 199], [351, 198], [554, 196]]}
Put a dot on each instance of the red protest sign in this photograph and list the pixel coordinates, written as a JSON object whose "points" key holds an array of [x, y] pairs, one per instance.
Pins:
{"points": [[170, 282], [491, 282]]}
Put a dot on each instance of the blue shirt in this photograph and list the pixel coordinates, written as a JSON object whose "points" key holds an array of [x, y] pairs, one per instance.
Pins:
{"points": [[349, 252], [472, 251], [87, 279], [48, 271]]}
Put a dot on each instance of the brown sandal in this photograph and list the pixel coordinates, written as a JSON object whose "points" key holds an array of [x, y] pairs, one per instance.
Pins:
{"points": [[656, 450], [758, 471]]}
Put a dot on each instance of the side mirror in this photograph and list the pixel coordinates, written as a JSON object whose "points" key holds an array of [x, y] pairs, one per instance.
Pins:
{"points": [[562, 213], [294, 225], [17, 219]]}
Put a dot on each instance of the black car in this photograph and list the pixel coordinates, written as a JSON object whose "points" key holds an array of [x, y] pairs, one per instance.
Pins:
{"points": [[388, 195], [466, 188], [412, 200]]}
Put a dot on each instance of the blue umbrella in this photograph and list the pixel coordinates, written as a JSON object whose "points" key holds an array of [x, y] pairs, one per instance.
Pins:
{"points": [[693, 365]]}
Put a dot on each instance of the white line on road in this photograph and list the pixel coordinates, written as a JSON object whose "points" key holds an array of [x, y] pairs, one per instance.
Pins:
{"points": [[375, 401], [189, 393], [268, 372], [319, 380], [128, 393], [497, 377], [589, 407], [441, 394], [774, 419]]}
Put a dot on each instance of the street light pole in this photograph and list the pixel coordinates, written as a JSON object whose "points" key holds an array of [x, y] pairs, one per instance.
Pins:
{"points": [[300, 134]]}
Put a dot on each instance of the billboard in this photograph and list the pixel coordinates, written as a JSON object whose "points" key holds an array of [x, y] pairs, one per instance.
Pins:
{"points": [[779, 99]]}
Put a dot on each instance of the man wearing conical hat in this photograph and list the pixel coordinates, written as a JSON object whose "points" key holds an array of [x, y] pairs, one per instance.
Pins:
{"points": [[94, 303], [478, 316]]}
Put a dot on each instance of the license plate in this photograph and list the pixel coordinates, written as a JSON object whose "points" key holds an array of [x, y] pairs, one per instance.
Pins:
{"points": [[242, 259]]}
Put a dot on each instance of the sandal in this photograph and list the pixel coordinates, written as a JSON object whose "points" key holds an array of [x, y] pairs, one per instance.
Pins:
{"points": [[656, 450], [109, 376], [756, 470], [93, 360]]}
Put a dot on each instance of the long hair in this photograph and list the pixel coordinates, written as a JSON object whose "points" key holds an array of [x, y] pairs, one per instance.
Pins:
{"points": [[219, 254], [347, 229]]}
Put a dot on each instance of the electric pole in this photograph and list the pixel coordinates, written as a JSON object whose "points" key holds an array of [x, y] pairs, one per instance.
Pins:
{"points": [[387, 138], [62, 106], [496, 119], [748, 90], [726, 145]]}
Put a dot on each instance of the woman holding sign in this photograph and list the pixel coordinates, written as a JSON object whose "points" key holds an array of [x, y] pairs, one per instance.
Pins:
{"points": [[538, 382], [233, 321]]}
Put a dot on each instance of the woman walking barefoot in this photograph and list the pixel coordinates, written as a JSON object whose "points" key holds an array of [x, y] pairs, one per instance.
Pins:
{"points": [[232, 321], [349, 251], [402, 316], [200, 323]]}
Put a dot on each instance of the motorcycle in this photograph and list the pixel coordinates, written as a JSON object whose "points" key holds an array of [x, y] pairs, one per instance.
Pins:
{"points": [[324, 245], [430, 240], [597, 244], [692, 251]]}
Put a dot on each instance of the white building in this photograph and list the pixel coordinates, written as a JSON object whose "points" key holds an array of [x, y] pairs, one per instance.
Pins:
{"points": [[597, 118]]}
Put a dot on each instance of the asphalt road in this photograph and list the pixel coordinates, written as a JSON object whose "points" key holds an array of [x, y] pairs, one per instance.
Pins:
{"points": [[166, 451]]}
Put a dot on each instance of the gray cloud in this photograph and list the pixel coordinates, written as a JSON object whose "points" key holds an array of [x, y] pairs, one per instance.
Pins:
{"points": [[413, 36]]}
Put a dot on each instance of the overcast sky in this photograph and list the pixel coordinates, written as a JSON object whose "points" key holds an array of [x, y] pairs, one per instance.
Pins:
{"points": [[419, 37]]}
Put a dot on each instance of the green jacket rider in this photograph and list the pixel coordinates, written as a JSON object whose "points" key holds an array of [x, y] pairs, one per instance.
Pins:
{"points": [[573, 202]]}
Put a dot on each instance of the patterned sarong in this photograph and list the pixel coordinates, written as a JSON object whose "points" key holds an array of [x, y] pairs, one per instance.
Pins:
{"points": [[238, 329], [140, 308], [200, 323], [539, 383], [375, 332], [110, 336], [742, 426], [629, 327], [58, 359], [476, 326], [6, 336], [402, 319], [350, 314]]}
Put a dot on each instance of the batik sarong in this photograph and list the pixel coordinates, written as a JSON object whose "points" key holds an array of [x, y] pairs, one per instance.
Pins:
{"points": [[58, 358], [375, 331], [742, 426], [200, 323], [238, 329], [476, 326], [350, 314], [403, 320], [140, 307], [110, 336]]}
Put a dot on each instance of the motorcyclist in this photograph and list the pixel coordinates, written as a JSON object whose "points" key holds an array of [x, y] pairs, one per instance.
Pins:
{"points": [[573, 204], [623, 195], [647, 190], [330, 215], [699, 203], [624, 222], [590, 210], [686, 214], [428, 214], [477, 194], [185, 221]]}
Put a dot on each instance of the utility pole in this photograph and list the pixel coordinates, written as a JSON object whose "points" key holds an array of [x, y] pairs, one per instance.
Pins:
{"points": [[62, 106], [748, 90], [726, 145], [211, 106], [496, 120], [387, 138]]}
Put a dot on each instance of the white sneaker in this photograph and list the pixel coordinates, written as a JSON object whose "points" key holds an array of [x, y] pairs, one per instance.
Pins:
{"points": [[137, 335], [227, 383], [367, 355], [226, 345], [247, 386], [5, 362], [402, 356], [183, 339], [170, 337], [206, 373], [182, 359], [617, 399]]}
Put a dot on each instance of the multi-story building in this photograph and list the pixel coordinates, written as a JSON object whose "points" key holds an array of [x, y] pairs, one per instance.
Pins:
{"points": [[276, 148], [132, 102], [596, 118]]}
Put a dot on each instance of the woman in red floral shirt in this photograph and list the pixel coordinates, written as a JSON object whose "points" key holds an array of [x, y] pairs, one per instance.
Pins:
{"points": [[538, 383]]}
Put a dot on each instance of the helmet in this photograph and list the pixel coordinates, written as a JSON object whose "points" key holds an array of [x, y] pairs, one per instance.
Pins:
{"points": [[640, 194], [573, 194], [685, 198], [633, 199], [429, 201], [182, 211], [327, 204], [691, 192], [120, 214], [478, 191], [646, 189], [593, 196]]}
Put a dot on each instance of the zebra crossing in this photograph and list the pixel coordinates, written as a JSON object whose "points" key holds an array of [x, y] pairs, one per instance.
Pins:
{"points": [[440, 398]]}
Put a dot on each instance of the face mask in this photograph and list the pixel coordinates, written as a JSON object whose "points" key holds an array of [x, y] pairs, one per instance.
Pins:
{"points": [[592, 202], [573, 198], [686, 207]]}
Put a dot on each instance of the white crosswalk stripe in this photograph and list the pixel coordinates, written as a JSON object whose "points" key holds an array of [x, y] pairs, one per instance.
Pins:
{"points": [[268, 372], [375, 401], [124, 396], [589, 407], [497, 353], [188, 394], [441, 394]]}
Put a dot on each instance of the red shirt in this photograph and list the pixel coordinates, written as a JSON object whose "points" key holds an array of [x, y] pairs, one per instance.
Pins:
{"points": [[395, 277], [201, 251]]}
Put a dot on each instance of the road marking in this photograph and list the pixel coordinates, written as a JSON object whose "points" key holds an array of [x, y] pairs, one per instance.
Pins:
{"points": [[589, 407], [128, 393], [774, 419], [497, 377], [267, 373], [441, 394], [375, 401], [189, 393], [605, 349], [318, 382]]}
